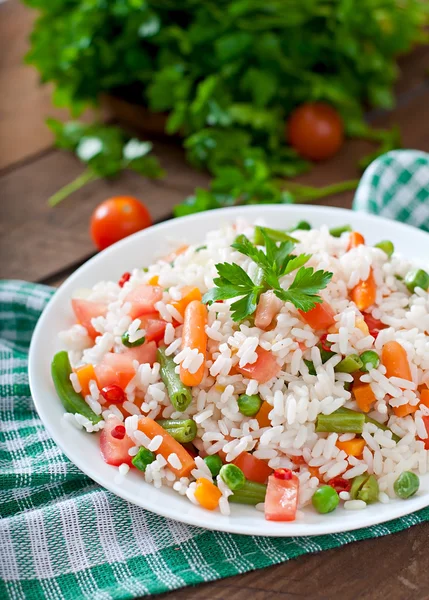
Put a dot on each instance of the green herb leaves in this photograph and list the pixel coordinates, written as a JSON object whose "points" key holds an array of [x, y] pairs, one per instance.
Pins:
{"points": [[106, 151], [276, 262]]}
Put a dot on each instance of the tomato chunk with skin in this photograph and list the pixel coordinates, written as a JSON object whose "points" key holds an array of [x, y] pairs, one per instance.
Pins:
{"points": [[264, 369], [114, 448], [143, 299], [154, 327], [319, 317], [118, 369], [85, 311], [253, 468], [281, 499]]}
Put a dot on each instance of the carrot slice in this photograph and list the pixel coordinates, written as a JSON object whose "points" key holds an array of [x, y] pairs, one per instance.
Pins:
{"points": [[154, 280], [355, 239], [173, 255], [352, 447], [394, 358], [363, 294], [207, 494], [424, 397], [194, 336], [314, 472], [404, 410], [189, 294], [168, 446], [364, 396], [86, 374], [262, 415]]}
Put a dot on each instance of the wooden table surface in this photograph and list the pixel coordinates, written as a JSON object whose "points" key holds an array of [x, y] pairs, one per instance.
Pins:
{"points": [[44, 245]]}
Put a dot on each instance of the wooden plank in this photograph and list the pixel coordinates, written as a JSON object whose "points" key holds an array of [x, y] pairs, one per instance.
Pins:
{"points": [[394, 567], [37, 240], [24, 103]]}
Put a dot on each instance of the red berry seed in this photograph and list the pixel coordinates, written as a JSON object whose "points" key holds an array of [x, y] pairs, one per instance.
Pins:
{"points": [[113, 394], [284, 474], [118, 432], [125, 277]]}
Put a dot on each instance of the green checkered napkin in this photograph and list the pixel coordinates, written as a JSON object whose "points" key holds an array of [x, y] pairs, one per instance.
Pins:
{"points": [[63, 536]]}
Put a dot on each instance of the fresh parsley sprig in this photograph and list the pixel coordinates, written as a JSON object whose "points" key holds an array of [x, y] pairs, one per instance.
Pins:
{"points": [[276, 262]]}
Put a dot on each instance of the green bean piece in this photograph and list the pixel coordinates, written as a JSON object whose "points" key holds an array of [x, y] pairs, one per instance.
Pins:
{"points": [[233, 476], [204, 247], [406, 485], [249, 405], [387, 247], [325, 499], [180, 395], [368, 492], [349, 364], [357, 483], [126, 341], [275, 234], [302, 225], [214, 463], [325, 355], [251, 493], [416, 278], [340, 422], [182, 430], [143, 458], [310, 366], [337, 231], [71, 400], [369, 358], [347, 411]]}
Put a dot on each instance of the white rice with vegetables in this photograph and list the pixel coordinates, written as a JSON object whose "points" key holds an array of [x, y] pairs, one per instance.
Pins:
{"points": [[300, 373]]}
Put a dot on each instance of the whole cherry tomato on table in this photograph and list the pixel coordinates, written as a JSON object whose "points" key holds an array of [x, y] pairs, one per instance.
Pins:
{"points": [[117, 218], [315, 130]]}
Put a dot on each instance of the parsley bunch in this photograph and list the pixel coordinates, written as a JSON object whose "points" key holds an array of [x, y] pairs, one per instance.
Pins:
{"points": [[276, 262]]}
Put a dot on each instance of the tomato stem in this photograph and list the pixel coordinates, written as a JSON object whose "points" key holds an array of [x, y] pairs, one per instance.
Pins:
{"points": [[84, 178], [305, 193]]}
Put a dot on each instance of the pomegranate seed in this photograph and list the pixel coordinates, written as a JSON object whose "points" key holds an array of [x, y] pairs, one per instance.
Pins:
{"points": [[118, 432], [284, 474], [113, 394], [340, 484], [125, 277]]}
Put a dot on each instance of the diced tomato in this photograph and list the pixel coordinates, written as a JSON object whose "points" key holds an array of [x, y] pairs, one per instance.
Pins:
{"points": [[143, 299], [426, 441], [264, 369], [114, 449], [253, 468], [374, 325], [281, 499], [154, 326], [340, 484], [85, 311], [118, 369], [319, 317]]}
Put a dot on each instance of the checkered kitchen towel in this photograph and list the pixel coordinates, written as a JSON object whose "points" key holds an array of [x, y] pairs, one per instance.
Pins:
{"points": [[64, 537]]}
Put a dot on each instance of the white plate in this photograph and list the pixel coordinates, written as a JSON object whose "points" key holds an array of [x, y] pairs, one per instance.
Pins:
{"points": [[141, 249]]}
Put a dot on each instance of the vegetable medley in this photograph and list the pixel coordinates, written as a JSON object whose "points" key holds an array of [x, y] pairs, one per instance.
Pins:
{"points": [[274, 368]]}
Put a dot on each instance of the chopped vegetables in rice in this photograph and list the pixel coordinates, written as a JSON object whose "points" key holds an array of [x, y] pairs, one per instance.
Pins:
{"points": [[259, 368]]}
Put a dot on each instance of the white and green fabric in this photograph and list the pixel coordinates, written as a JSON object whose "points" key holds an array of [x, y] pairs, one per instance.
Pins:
{"points": [[396, 186], [64, 537]]}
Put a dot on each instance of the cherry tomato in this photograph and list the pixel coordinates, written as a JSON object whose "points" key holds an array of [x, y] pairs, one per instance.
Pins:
{"points": [[117, 218], [315, 130]]}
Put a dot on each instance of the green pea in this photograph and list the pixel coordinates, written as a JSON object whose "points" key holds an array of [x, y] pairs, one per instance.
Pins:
{"points": [[249, 405], [406, 485], [325, 499], [143, 458], [349, 364], [233, 476], [337, 231], [214, 463], [126, 341], [416, 278], [369, 357], [303, 226], [387, 247]]}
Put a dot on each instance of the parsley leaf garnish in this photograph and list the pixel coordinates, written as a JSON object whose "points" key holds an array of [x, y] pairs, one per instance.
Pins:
{"points": [[276, 262]]}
